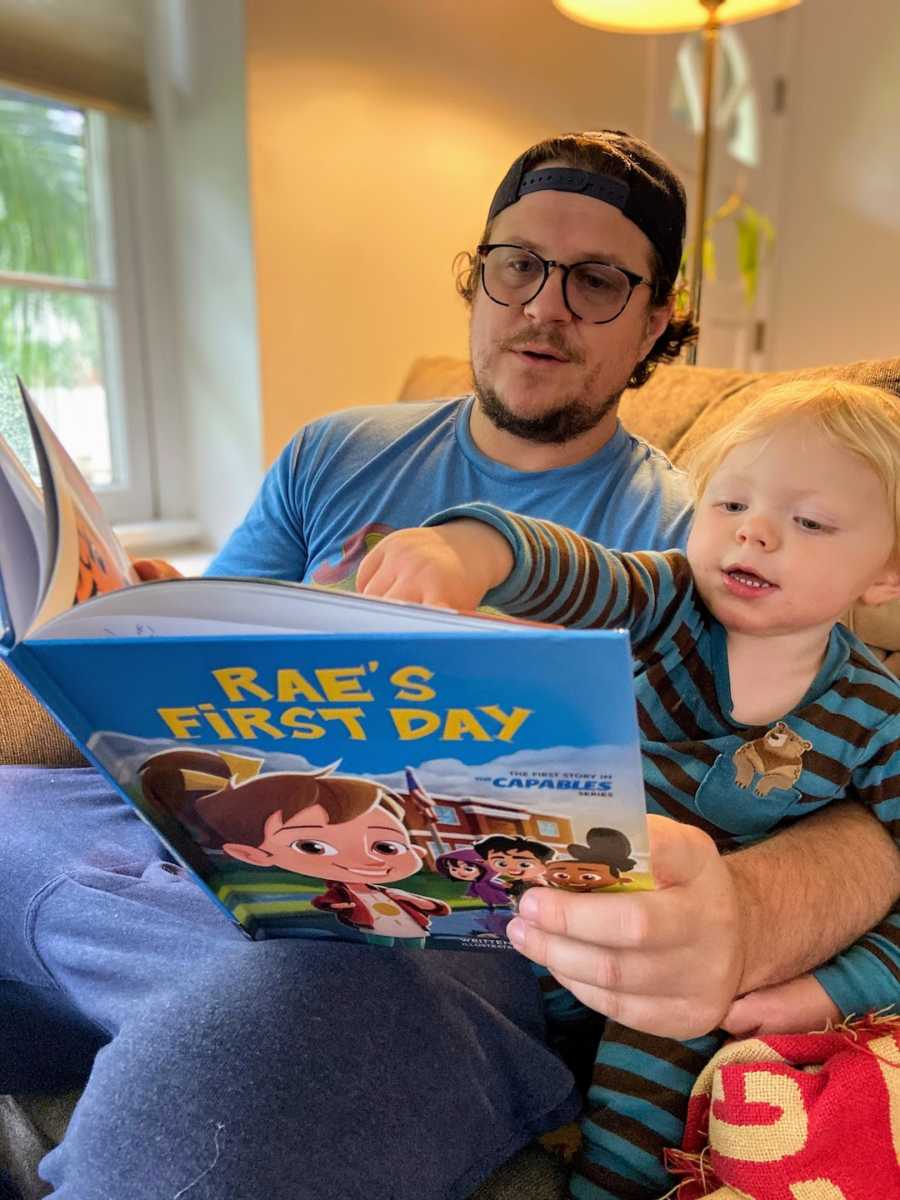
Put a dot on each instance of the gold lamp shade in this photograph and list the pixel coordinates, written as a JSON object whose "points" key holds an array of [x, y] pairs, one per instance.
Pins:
{"points": [[664, 16]]}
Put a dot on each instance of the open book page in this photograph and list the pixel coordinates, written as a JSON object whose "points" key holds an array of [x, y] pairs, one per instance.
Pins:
{"points": [[24, 549], [215, 607], [89, 559]]}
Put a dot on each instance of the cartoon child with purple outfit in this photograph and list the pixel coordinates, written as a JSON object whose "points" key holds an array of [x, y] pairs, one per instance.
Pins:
{"points": [[341, 829], [469, 867]]}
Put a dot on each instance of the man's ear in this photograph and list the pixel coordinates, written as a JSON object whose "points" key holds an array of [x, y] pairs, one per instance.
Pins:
{"points": [[885, 588], [248, 854], [658, 317]]}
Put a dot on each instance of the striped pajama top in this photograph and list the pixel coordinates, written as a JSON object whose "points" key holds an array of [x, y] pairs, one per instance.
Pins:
{"points": [[739, 783]]}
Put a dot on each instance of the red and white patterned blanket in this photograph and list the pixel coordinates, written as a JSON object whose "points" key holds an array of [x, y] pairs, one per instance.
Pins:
{"points": [[812, 1116]]}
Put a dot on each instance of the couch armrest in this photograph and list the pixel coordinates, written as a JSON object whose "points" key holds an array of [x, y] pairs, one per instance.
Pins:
{"points": [[434, 378]]}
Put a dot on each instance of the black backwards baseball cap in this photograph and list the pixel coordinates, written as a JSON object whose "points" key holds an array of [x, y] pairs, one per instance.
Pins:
{"points": [[624, 172]]}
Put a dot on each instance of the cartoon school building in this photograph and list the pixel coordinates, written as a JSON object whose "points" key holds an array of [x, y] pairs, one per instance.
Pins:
{"points": [[461, 821]]}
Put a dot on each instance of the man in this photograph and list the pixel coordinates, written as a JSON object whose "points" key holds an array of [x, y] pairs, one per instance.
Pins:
{"points": [[301, 1070], [544, 432]]}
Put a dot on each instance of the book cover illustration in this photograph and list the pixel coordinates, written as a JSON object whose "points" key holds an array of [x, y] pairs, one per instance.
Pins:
{"points": [[323, 764], [382, 787]]}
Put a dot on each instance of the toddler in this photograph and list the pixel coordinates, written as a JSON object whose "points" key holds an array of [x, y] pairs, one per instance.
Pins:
{"points": [[756, 705]]}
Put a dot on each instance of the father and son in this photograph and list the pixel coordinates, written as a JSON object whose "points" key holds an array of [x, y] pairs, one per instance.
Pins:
{"points": [[338, 1070]]}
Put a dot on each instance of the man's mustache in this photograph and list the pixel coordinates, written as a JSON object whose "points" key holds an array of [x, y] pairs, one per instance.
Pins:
{"points": [[548, 336]]}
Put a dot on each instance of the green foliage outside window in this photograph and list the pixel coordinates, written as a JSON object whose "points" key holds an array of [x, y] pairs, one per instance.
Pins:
{"points": [[52, 338]]}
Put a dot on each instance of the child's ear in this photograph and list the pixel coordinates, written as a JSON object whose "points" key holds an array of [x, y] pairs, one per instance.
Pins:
{"points": [[883, 589], [248, 854]]}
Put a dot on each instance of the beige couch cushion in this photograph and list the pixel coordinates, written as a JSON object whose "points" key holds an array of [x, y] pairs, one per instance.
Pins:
{"points": [[28, 736], [678, 407], [431, 378]]}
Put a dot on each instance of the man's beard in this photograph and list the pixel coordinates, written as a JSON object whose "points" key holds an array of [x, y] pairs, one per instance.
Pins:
{"points": [[574, 417]]}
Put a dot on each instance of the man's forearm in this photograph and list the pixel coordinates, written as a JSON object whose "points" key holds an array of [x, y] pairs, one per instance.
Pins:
{"points": [[812, 890]]}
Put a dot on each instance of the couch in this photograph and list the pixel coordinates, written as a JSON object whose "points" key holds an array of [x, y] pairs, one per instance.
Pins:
{"points": [[674, 410]]}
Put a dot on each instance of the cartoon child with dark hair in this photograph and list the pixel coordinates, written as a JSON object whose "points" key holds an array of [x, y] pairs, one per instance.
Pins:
{"points": [[341, 829], [469, 867], [520, 861], [595, 866]]}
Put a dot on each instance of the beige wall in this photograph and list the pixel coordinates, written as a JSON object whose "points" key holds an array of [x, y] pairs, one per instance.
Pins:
{"points": [[378, 130], [837, 283]]}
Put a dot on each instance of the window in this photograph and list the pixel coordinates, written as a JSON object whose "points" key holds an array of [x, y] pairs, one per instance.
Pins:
{"points": [[68, 306], [446, 815], [548, 829]]}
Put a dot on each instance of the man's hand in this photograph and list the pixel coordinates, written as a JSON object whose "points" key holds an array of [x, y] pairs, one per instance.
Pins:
{"points": [[450, 565], [798, 1006], [154, 568], [667, 962]]}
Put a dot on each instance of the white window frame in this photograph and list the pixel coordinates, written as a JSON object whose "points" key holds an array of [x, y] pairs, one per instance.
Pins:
{"points": [[129, 428], [143, 216], [141, 375]]}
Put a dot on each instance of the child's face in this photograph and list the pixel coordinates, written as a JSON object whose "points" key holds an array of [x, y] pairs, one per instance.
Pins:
{"points": [[578, 876], [463, 870], [791, 530], [516, 864]]}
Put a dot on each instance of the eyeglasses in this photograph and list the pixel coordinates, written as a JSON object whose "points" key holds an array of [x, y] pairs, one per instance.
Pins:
{"points": [[592, 291]]}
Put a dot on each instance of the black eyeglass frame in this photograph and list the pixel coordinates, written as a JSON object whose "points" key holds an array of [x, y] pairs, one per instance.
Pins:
{"points": [[634, 280]]}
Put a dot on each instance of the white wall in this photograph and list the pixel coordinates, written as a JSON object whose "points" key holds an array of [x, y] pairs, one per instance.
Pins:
{"points": [[837, 284], [196, 63], [379, 130]]}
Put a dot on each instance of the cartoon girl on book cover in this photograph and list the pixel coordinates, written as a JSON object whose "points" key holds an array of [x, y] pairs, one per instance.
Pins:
{"points": [[467, 866], [345, 830]]}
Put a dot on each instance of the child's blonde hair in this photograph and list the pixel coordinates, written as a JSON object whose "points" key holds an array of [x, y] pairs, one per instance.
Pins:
{"points": [[864, 420]]}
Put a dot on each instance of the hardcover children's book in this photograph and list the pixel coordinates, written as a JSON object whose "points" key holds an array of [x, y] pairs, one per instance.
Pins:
{"points": [[325, 765]]}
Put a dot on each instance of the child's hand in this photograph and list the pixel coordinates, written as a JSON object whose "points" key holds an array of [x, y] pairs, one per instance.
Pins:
{"points": [[799, 1006], [451, 565]]}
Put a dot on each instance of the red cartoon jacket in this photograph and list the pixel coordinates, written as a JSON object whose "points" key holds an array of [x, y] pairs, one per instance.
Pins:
{"points": [[419, 908]]}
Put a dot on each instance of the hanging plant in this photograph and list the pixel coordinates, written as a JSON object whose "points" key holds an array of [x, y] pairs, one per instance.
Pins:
{"points": [[756, 237], [755, 240]]}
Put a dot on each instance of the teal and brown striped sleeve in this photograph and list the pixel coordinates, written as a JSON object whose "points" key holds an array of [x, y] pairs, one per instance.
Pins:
{"points": [[567, 579], [867, 976]]}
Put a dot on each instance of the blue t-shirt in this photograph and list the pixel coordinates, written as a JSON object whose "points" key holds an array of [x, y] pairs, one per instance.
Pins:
{"points": [[350, 478]]}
